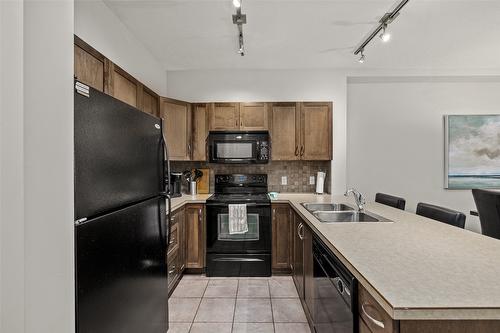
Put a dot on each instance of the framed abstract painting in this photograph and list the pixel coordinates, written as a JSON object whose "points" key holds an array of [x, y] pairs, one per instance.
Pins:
{"points": [[472, 151]]}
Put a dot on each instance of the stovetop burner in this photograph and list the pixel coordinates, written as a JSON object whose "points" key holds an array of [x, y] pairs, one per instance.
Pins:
{"points": [[239, 197], [240, 188]]}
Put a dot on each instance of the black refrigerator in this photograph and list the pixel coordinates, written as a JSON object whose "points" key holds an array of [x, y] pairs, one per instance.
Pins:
{"points": [[120, 217]]}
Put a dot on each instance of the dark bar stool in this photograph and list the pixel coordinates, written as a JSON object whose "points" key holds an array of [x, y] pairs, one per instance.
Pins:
{"points": [[488, 207], [390, 200], [441, 214]]}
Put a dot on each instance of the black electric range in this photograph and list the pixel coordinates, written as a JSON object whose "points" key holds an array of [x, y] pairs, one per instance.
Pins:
{"points": [[247, 254]]}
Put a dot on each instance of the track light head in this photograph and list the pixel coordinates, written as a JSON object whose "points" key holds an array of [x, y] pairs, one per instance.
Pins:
{"points": [[362, 58], [237, 3], [385, 36]]}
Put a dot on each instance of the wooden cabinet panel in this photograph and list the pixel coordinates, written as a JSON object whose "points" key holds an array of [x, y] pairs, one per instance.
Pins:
{"points": [[177, 128], [253, 116], [89, 65], [150, 102], [298, 256], [282, 222], [200, 131], [181, 226], [316, 131], [195, 236], [449, 326], [124, 88], [285, 131], [225, 116]]}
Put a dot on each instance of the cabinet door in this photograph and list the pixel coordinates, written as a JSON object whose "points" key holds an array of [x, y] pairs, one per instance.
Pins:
{"points": [[195, 236], [150, 102], [316, 131], [298, 256], [177, 128], [89, 65], [285, 131], [200, 132], [253, 116], [308, 270], [282, 221], [225, 116], [123, 86]]}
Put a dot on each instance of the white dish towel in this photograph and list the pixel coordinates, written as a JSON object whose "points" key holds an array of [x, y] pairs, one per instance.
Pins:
{"points": [[238, 223]]}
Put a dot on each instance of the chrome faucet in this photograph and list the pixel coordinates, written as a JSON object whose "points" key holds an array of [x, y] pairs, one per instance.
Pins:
{"points": [[358, 197]]}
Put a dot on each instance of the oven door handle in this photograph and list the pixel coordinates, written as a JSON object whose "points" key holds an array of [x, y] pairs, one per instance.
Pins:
{"points": [[248, 205]]}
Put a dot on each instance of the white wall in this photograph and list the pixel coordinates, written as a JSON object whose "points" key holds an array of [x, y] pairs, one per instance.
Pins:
{"points": [[11, 168], [271, 85], [97, 25], [37, 274], [395, 134]]}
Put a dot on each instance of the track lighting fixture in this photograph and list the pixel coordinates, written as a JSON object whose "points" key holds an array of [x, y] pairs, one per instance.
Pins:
{"points": [[362, 58], [385, 36], [239, 19]]}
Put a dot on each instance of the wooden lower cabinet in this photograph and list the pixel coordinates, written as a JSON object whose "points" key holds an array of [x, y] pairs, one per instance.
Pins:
{"points": [[303, 266], [298, 256], [195, 237], [282, 223], [373, 319], [176, 253]]}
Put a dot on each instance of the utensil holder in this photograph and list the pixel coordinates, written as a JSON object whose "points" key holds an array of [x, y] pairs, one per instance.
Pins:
{"points": [[192, 188]]}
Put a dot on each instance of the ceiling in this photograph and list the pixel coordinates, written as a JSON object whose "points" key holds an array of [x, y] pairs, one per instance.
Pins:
{"points": [[287, 34]]}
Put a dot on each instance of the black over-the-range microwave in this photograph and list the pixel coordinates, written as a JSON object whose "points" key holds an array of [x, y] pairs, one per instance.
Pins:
{"points": [[238, 147]]}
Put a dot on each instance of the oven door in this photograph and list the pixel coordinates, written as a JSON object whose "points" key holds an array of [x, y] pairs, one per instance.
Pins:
{"points": [[256, 240], [233, 151]]}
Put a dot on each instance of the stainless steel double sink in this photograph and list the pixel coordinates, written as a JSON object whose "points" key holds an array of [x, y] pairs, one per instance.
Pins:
{"points": [[338, 213]]}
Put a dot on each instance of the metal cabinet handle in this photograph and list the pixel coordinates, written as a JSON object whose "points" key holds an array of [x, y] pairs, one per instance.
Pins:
{"points": [[299, 228], [378, 323], [296, 150], [302, 151], [189, 149], [199, 215], [172, 241], [172, 270]]}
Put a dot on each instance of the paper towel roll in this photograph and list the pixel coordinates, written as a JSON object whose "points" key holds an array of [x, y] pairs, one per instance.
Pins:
{"points": [[320, 182]]}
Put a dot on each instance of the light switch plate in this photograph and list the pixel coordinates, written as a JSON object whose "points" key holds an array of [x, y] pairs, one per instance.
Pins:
{"points": [[312, 180], [284, 180]]}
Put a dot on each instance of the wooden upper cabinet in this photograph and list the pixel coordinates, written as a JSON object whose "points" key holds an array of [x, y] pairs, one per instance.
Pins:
{"points": [[316, 131], [253, 116], [285, 127], [177, 128], [225, 116], [200, 131], [89, 65], [124, 87], [150, 102]]}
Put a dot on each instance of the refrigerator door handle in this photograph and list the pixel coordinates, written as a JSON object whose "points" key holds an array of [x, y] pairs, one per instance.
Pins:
{"points": [[166, 156]]}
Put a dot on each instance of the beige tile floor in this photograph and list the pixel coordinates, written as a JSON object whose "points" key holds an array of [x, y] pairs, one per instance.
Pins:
{"points": [[236, 305]]}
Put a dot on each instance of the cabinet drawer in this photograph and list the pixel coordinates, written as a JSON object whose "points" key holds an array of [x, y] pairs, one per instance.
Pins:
{"points": [[373, 315], [172, 270], [174, 237]]}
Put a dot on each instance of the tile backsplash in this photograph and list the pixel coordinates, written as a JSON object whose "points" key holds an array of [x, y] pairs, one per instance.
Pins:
{"points": [[297, 172]]}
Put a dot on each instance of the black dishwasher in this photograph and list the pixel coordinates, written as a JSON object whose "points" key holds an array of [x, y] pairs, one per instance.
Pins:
{"points": [[335, 293]]}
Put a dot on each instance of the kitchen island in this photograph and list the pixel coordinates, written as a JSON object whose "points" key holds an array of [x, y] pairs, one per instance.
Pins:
{"points": [[417, 269]]}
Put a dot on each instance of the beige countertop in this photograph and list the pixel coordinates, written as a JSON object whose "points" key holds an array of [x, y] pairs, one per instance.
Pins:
{"points": [[415, 267]]}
